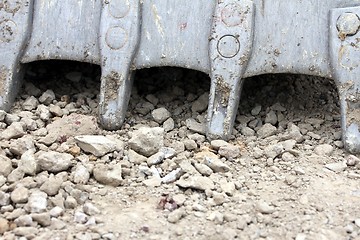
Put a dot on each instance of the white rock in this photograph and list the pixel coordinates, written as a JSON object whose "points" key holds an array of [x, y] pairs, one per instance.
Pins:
{"points": [[352, 160], [26, 232], [190, 144], [57, 224], [152, 182], [56, 211], [336, 167], [200, 104], [196, 182], [218, 143], [187, 167], [266, 130], [168, 152], [271, 117], [228, 188], [247, 132], [172, 176], [216, 217], [136, 158], [265, 208], [324, 150], [44, 219], [81, 174], [56, 110], [6, 166], [195, 126], [229, 151], [96, 144], [203, 169], [176, 215], [23, 144], [30, 103], [43, 112], [11, 118], [157, 158], [169, 125], [108, 174], [52, 185], [90, 209], [15, 130], [20, 195], [80, 217], [218, 198], [15, 176], [37, 202], [147, 141], [160, 114], [69, 126], [4, 199], [213, 162], [47, 97], [28, 163], [53, 161], [23, 221]]}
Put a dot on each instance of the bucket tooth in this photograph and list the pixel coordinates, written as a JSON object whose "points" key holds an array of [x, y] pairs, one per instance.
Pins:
{"points": [[119, 39], [230, 49], [15, 20], [345, 56]]}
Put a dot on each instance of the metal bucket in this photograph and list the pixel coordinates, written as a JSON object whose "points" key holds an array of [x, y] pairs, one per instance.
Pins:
{"points": [[227, 39]]}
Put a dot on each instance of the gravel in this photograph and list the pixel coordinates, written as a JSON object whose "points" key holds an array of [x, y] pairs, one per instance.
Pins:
{"points": [[282, 175]]}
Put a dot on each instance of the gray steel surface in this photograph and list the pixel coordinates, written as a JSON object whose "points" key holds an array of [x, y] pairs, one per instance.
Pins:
{"points": [[227, 39]]}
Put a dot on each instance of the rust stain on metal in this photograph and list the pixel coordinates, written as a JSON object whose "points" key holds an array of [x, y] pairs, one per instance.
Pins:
{"points": [[112, 83], [10, 6], [222, 91], [3, 77], [341, 53]]}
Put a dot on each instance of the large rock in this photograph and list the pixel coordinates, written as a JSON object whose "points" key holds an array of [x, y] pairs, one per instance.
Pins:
{"points": [[21, 145], [195, 126], [6, 166], [20, 195], [196, 182], [324, 150], [108, 174], [97, 145], [147, 141], [266, 130], [37, 202], [160, 114], [70, 126], [28, 163], [53, 161], [15, 130]]}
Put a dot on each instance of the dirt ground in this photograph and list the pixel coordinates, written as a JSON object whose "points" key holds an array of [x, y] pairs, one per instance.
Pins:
{"points": [[283, 174]]}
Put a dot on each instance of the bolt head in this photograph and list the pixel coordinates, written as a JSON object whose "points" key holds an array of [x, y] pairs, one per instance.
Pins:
{"points": [[348, 24]]}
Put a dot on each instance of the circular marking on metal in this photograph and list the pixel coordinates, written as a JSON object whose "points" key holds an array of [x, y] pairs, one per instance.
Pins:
{"points": [[232, 15], [116, 37], [7, 31], [12, 6], [347, 24], [119, 8], [228, 46]]}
